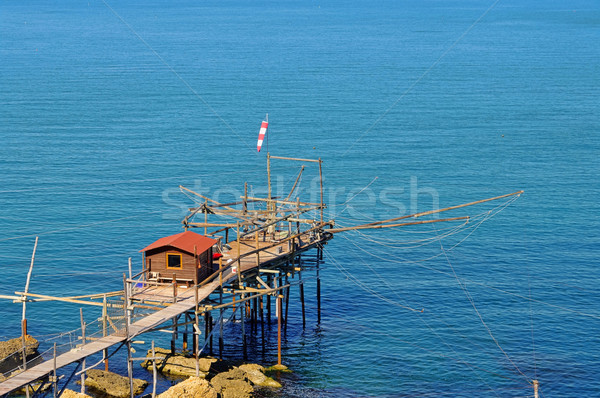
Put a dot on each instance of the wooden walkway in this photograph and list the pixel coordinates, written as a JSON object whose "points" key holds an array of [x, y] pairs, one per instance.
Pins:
{"points": [[185, 302], [34, 373]]}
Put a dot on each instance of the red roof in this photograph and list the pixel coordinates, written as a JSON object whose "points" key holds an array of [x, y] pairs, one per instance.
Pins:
{"points": [[185, 241]]}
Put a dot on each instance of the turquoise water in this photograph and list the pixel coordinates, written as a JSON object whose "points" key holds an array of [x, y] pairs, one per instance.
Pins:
{"points": [[107, 107]]}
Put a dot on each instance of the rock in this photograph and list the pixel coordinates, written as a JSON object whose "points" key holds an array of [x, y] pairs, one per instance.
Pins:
{"points": [[181, 365], [256, 376], [112, 384], [11, 352], [232, 384], [72, 394], [194, 387], [278, 368]]}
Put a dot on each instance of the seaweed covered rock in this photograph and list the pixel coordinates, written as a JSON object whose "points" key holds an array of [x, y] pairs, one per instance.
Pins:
{"points": [[11, 352], [194, 387], [72, 394], [232, 384], [181, 365], [112, 384], [255, 373]]}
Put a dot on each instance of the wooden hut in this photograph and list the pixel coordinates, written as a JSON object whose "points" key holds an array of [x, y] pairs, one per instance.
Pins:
{"points": [[186, 257]]}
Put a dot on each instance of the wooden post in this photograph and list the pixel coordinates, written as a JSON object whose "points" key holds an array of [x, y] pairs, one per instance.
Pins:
{"points": [[24, 318], [535, 388], [129, 263], [83, 342], [287, 305], [206, 216], [104, 321], [301, 285], [24, 324], [269, 301], [154, 373], [269, 207], [243, 319], [278, 329], [318, 293], [245, 205], [210, 318], [196, 342], [221, 323], [262, 319], [321, 180], [55, 378], [206, 328], [239, 266], [257, 251], [184, 343], [128, 339]]}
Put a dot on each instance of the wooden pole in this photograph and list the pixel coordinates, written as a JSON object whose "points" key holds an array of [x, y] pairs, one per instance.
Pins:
{"points": [[210, 324], [128, 339], [535, 388], [321, 181], [104, 326], [196, 342], [301, 285], [129, 264], [278, 329], [287, 305], [154, 372], [239, 266], [245, 204], [262, 317], [55, 378], [318, 293], [83, 341], [243, 320], [205, 216], [269, 180], [24, 324], [269, 301], [221, 323]]}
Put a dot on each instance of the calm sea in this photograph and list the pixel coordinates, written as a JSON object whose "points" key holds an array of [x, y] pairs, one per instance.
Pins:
{"points": [[107, 107]]}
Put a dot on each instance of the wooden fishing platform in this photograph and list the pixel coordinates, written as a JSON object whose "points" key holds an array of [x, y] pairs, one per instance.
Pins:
{"points": [[192, 275]]}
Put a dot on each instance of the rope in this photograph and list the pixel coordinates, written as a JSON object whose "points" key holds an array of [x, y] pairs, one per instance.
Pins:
{"points": [[470, 298]]}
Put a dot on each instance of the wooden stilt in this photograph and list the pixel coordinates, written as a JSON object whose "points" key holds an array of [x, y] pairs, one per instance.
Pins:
{"points": [[154, 372], [210, 325], [269, 302], [318, 292], [127, 314], [262, 320], [301, 287], [104, 326], [184, 344], [24, 318], [287, 305], [206, 328], [221, 313], [83, 342], [243, 320], [278, 329], [54, 376]]}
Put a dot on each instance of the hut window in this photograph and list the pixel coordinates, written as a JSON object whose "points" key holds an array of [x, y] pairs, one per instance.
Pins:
{"points": [[174, 260]]}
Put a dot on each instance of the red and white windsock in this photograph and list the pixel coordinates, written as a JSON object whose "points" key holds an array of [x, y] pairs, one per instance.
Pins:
{"points": [[261, 135]]}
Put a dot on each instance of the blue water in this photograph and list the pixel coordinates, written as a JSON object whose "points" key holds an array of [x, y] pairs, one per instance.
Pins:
{"points": [[106, 107]]}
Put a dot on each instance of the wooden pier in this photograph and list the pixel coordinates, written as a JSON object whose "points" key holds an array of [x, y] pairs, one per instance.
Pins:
{"points": [[248, 254]]}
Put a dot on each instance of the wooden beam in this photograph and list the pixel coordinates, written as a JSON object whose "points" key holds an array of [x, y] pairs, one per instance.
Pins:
{"points": [[66, 299], [367, 226], [296, 159]]}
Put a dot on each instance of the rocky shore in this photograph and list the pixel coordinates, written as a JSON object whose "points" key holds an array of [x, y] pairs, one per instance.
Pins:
{"points": [[217, 378], [208, 377]]}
